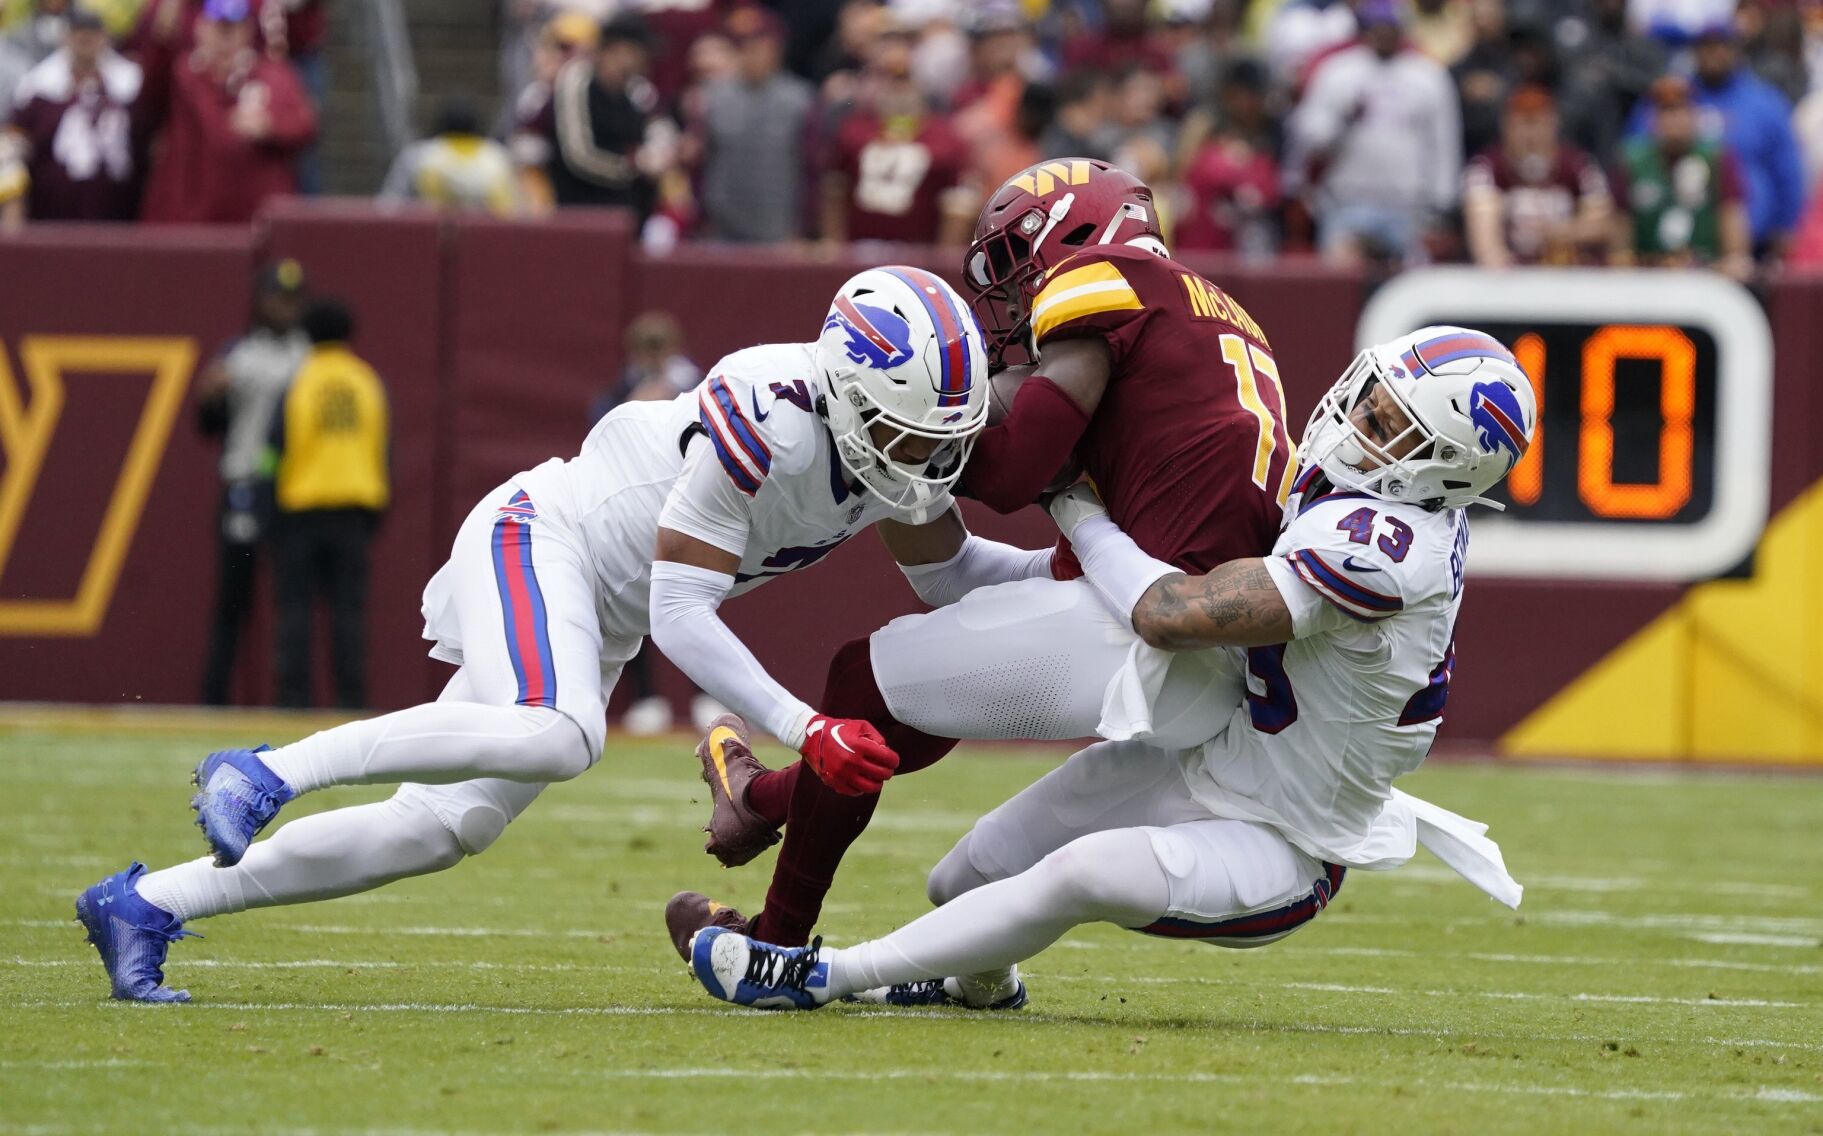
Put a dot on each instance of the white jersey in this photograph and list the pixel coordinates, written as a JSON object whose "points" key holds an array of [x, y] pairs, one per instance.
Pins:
{"points": [[1354, 700], [743, 463]]}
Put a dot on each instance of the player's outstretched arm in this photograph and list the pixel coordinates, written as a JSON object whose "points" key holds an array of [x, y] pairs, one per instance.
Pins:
{"points": [[944, 561], [1236, 605], [690, 578]]}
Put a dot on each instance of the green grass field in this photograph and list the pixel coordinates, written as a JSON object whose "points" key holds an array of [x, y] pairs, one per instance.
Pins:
{"points": [[1665, 975]]}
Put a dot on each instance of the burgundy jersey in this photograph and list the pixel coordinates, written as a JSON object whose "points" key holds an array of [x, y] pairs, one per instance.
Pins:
{"points": [[1189, 446], [1535, 197], [83, 162], [897, 179]]}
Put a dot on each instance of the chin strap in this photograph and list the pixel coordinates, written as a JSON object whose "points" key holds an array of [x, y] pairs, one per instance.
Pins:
{"points": [[1127, 209], [1494, 505], [1059, 211]]}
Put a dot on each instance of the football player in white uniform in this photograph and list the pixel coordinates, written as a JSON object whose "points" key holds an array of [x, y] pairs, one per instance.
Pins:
{"points": [[1344, 634], [783, 453]]}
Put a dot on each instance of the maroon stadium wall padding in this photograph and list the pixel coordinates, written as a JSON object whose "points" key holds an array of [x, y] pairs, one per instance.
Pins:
{"points": [[71, 502], [391, 270], [493, 339]]}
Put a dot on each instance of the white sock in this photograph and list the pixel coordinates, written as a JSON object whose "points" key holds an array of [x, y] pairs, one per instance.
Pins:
{"points": [[315, 857], [438, 743], [1109, 877]]}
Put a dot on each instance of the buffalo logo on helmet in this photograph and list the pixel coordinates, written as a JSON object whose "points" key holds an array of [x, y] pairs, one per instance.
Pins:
{"points": [[875, 337], [1499, 422]]}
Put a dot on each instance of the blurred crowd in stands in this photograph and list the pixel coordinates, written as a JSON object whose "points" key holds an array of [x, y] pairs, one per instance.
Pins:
{"points": [[1380, 132], [157, 110]]}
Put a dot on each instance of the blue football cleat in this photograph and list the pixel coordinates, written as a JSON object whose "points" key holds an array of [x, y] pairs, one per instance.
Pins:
{"points": [[748, 972], [239, 797], [131, 935]]}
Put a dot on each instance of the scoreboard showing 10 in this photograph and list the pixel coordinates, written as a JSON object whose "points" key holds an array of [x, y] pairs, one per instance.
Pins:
{"points": [[1626, 421], [1652, 453]]}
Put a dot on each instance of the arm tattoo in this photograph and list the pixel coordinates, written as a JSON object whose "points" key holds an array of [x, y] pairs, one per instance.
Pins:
{"points": [[1237, 604]]}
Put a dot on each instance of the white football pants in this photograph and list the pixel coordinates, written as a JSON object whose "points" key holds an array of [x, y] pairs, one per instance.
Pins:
{"points": [[1035, 660], [515, 607], [1112, 835]]}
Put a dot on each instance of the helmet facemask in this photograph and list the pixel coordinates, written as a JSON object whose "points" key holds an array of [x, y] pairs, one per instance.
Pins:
{"points": [[999, 269], [906, 486], [1358, 463], [1471, 409]]}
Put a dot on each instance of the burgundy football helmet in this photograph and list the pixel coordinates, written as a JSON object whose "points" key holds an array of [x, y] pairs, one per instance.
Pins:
{"points": [[1036, 220]]}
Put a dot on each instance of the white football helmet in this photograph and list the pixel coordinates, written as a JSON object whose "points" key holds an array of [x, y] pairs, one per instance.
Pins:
{"points": [[1471, 407], [901, 348]]}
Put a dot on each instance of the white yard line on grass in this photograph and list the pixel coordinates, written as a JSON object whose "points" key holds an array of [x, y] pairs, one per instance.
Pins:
{"points": [[180, 965], [1777, 1095], [1679, 921], [1427, 874], [399, 1008], [1747, 939], [340, 1130], [55, 1063], [1527, 1038], [54, 861], [1560, 960], [453, 932], [1520, 995], [1730, 930], [1148, 980], [1763, 1093], [1346, 988], [1022, 1019], [437, 932], [1690, 964]]}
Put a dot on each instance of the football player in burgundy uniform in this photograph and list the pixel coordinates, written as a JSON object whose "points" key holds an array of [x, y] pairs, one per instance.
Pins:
{"points": [[894, 161], [1533, 198], [1166, 392]]}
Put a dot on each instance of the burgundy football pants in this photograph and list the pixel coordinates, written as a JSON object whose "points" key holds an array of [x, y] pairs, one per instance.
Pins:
{"points": [[821, 823]]}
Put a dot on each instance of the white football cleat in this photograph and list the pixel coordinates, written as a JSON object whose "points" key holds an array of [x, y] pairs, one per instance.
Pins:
{"points": [[992, 990]]}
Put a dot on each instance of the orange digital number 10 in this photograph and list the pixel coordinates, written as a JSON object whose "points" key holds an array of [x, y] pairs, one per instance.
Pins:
{"points": [[1595, 483]]}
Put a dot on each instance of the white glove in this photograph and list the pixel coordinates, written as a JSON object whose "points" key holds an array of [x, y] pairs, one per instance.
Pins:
{"points": [[1075, 505]]}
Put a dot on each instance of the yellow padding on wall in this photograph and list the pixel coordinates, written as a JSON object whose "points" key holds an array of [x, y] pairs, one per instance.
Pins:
{"points": [[1732, 672]]}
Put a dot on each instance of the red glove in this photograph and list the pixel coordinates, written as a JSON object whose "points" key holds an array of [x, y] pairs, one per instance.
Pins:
{"points": [[848, 754]]}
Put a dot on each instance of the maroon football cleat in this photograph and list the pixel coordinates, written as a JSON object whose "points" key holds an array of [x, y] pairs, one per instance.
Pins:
{"points": [[736, 833], [690, 911]]}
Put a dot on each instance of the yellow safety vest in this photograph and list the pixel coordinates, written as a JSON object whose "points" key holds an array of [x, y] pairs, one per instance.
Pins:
{"points": [[334, 437]]}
